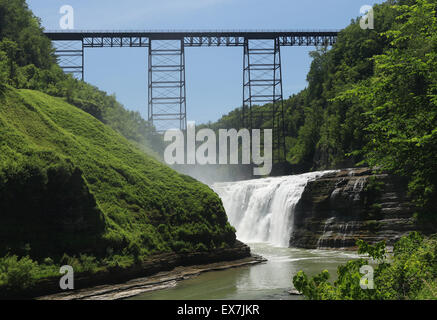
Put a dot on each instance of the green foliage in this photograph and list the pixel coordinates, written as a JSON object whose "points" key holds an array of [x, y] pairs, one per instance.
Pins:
{"points": [[401, 102], [322, 129], [413, 268], [79, 182], [410, 273], [17, 22], [81, 194], [316, 288], [9, 51], [377, 251], [371, 100], [90, 189], [81, 264], [119, 261], [44, 185], [27, 61], [17, 274], [4, 70]]}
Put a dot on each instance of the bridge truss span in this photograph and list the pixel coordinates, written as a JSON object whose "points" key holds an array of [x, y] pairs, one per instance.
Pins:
{"points": [[262, 72]]}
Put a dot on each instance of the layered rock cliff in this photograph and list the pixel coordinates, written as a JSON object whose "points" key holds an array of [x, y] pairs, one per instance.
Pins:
{"points": [[340, 207]]}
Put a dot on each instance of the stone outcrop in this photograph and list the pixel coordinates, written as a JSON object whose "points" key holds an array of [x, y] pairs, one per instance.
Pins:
{"points": [[341, 207]]}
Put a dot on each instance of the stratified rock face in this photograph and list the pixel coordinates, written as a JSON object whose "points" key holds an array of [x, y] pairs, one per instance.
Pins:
{"points": [[341, 207]]}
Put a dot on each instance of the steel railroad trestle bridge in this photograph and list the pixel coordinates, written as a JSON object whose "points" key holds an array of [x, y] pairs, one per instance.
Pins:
{"points": [[262, 73]]}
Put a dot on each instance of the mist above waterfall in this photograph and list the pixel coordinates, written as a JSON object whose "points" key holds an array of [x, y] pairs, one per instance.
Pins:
{"points": [[262, 209]]}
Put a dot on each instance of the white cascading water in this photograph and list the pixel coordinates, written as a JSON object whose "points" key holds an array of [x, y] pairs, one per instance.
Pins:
{"points": [[262, 210]]}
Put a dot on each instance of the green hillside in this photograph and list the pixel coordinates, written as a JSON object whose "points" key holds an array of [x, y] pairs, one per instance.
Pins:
{"points": [[27, 61], [79, 180], [70, 184]]}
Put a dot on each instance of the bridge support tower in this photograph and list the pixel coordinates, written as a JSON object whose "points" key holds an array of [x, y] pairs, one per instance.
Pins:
{"points": [[262, 84], [71, 56], [167, 92]]}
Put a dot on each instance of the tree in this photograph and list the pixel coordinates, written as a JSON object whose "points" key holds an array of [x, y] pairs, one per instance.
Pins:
{"points": [[4, 68], [401, 98], [10, 48]]}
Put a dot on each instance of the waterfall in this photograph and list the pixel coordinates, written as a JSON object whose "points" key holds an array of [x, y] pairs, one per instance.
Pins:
{"points": [[262, 210]]}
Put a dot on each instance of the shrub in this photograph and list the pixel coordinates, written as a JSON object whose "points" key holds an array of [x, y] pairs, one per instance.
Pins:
{"points": [[411, 273], [201, 247], [17, 274]]}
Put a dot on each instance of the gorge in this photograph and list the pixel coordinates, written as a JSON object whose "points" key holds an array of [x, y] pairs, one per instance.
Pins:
{"points": [[83, 182], [292, 221]]}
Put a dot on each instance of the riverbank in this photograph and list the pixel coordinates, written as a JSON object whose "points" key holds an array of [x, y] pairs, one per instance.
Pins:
{"points": [[157, 272], [162, 280]]}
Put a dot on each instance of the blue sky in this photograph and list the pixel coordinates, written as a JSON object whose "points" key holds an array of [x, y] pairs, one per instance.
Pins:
{"points": [[213, 75]]}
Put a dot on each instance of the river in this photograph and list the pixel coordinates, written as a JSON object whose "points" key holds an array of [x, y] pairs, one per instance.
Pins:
{"points": [[262, 211], [270, 280]]}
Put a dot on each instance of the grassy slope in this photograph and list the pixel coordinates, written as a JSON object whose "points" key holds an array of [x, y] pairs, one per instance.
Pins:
{"points": [[145, 206]]}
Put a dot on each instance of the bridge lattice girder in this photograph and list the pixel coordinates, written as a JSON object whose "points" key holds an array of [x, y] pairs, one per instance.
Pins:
{"points": [[262, 74]]}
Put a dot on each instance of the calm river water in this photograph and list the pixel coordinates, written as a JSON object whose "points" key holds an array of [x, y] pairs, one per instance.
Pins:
{"points": [[269, 280]]}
